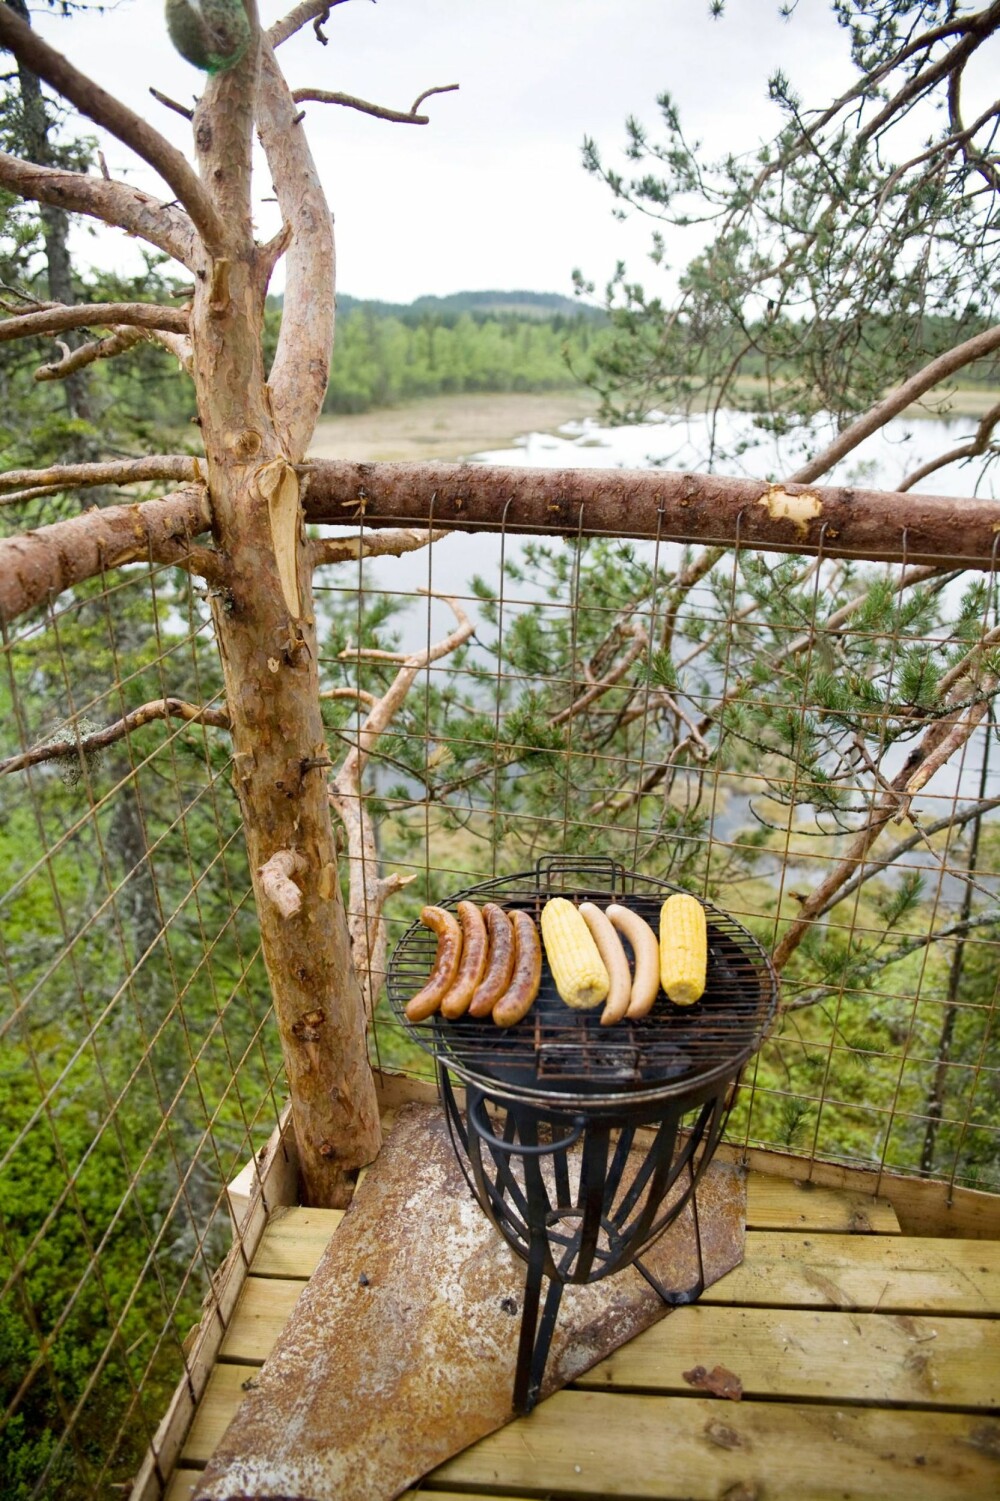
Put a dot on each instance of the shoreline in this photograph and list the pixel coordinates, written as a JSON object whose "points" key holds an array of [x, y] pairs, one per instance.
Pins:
{"points": [[448, 427]]}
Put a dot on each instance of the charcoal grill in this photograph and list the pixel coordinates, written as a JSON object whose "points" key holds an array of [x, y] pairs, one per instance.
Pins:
{"points": [[584, 1143]]}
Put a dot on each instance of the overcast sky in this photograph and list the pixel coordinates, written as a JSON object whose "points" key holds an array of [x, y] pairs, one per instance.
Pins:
{"points": [[491, 193]]}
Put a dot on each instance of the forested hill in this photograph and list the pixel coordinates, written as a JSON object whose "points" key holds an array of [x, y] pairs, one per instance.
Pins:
{"points": [[519, 304]]}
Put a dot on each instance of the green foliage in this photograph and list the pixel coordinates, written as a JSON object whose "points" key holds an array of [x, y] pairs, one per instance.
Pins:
{"points": [[827, 263], [382, 360]]}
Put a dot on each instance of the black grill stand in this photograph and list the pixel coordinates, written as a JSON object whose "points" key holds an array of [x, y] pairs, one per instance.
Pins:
{"points": [[603, 1224]]}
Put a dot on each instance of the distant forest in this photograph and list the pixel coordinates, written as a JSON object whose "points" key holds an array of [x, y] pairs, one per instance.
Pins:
{"points": [[471, 341]]}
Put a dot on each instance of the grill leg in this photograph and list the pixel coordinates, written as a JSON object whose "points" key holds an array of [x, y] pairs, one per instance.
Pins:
{"points": [[536, 1337], [670, 1296]]}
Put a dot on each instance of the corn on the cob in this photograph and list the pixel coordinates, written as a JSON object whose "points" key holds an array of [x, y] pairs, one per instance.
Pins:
{"points": [[683, 948], [577, 967]]}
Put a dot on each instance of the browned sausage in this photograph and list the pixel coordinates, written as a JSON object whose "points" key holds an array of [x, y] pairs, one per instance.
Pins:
{"points": [[442, 975], [527, 972], [500, 965], [470, 971]]}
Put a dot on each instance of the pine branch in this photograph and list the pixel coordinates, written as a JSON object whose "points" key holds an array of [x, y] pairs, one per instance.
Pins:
{"points": [[979, 444], [37, 566], [392, 542], [83, 745], [301, 367], [316, 11], [911, 390], [160, 224], [117, 342], [176, 466], [380, 111], [57, 319]]}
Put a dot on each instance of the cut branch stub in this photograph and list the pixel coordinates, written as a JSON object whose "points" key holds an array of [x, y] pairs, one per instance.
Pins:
{"points": [[277, 884]]}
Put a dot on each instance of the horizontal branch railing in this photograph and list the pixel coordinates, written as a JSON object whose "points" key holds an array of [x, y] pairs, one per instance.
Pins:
{"points": [[835, 521]]}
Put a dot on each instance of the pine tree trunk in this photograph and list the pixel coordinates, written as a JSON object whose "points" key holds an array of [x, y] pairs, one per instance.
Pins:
{"points": [[266, 631]]}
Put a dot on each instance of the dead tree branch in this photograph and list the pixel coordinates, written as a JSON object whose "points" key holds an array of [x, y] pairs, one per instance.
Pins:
{"points": [[390, 543], [57, 319], [117, 342], [380, 111], [368, 890], [129, 128], [82, 745], [167, 466], [38, 565], [178, 109], [160, 224], [316, 11]]}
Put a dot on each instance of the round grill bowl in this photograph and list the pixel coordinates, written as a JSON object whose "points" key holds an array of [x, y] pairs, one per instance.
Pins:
{"points": [[565, 1058]]}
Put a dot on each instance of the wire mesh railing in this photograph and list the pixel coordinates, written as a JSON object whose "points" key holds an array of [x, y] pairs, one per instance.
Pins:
{"points": [[139, 1064], [807, 742]]}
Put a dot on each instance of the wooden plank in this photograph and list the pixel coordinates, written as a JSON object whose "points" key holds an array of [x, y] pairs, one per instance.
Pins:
{"points": [[274, 1181], [223, 1395], [294, 1239], [272, 1176], [782, 1204], [264, 1310], [869, 1273], [596, 1444], [923, 1206], [293, 1242], [810, 1355], [183, 1484]]}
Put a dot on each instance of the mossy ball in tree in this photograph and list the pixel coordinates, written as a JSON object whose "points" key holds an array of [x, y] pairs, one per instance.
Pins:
{"points": [[211, 34]]}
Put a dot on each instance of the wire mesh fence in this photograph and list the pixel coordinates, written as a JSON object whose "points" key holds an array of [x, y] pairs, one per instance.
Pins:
{"points": [[806, 742], [139, 1065]]}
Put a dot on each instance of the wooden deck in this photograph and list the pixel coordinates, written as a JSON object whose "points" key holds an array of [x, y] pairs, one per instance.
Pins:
{"points": [[870, 1365]]}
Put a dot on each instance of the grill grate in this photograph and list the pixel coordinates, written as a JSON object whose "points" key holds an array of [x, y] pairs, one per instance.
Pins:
{"points": [[673, 1051]]}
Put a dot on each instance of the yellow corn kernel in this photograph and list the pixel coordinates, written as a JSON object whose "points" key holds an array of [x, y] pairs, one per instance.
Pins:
{"points": [[577, 967], [683, 948]]}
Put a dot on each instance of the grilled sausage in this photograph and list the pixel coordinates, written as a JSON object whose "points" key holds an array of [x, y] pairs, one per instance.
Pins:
{"points": [[646, 978], [442, 975], [456, 1000], [609, 946], [527, 976], [500, 964]]}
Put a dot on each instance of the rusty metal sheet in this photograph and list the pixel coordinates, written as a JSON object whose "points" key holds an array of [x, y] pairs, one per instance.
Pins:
{"points": [[402, 1348]]}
